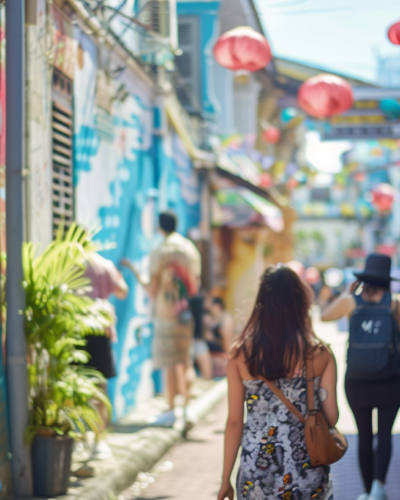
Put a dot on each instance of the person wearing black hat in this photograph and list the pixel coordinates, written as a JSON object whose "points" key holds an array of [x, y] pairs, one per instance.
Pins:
{"points": [[365, 389]]}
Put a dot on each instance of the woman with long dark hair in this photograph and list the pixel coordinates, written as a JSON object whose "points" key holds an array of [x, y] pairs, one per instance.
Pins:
{"points": [[370, 297], [274, 346]]}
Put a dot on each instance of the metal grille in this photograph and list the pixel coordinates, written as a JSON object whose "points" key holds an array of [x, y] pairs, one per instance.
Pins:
{"points": [[155, 15], [62, 194]]}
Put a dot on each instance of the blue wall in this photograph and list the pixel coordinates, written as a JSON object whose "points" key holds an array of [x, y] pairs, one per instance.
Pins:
{"points": [[124, 175]]}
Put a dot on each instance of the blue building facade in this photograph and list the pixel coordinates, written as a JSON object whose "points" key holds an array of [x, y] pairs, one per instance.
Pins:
{"points": [[126, 171]]}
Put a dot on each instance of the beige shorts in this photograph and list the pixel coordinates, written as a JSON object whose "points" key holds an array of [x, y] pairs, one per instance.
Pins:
{"points": [[172, 344]]}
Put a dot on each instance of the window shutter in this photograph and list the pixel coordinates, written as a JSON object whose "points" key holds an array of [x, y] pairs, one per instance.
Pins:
{"points": [[188, 64], [62, 185]]}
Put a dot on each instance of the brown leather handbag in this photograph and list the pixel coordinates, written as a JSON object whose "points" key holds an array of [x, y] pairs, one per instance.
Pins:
{"points": [[325, 446]]}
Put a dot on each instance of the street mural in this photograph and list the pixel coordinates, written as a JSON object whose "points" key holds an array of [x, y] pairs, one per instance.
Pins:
{"points": [[122, 181], [39, 131]]}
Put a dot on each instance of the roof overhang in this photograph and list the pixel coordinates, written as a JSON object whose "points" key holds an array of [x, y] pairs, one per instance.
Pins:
{"points": [[180, 121], [240, 170]]}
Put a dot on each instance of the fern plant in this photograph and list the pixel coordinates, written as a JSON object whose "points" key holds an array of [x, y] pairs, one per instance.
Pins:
{"points": [[58, 316]]}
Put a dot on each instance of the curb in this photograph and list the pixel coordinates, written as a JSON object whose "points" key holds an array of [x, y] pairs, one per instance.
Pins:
{"points": [[139, 452]]}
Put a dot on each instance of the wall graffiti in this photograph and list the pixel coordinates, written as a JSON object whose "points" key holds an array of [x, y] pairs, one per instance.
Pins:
{"points": [[39, 163], [124, 175]]}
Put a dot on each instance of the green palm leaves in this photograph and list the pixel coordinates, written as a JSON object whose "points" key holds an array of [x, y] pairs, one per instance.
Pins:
{"points": [[58, 316]]}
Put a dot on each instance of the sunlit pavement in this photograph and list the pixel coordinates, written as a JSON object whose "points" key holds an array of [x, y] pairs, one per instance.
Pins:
{"points": [[192, 469]]}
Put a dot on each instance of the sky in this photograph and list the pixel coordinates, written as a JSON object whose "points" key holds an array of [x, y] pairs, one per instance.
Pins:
{"points": [[346, 36]]}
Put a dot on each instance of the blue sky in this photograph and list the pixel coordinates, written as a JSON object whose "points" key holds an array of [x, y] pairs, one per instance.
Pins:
{"points": [[342, 35]]}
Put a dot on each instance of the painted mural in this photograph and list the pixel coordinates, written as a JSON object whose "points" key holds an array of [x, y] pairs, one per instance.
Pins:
{"points": [[39, 162], [124, 175], [2, 137]]}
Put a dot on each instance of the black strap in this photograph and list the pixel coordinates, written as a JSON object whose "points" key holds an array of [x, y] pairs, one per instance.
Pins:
{"points": [[396, 328]]}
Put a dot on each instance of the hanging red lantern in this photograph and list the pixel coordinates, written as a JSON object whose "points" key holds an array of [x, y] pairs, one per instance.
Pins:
{"points": [[266, 180], [394, 33], [271, 135], [242, 49], [323, 96], [383, 197], [292, 183], [312, 275], [360, 176]]}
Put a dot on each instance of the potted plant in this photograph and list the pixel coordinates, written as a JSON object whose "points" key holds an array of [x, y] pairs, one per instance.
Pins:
{"points": [[63, 391]]}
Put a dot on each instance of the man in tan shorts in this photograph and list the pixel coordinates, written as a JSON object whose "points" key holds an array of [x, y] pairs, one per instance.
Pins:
{"points": [[175, 269]]}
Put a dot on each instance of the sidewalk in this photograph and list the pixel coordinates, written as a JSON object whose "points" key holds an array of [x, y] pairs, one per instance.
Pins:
{"points": [[192, 469], [138, 442]]}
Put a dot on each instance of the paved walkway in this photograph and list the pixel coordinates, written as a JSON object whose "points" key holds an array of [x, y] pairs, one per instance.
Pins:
{"points": [[192, 469]]}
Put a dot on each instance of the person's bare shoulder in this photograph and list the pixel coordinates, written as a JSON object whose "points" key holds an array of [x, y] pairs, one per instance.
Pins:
{"points": [[322, 356], [235, 351]]}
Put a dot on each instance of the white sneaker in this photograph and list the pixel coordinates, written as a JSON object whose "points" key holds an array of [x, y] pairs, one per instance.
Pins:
{"points": [[377, 491], [363, 496]]}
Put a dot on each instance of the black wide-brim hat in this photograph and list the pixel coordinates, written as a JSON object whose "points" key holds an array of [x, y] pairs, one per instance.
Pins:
{"points": [[377, 269]]}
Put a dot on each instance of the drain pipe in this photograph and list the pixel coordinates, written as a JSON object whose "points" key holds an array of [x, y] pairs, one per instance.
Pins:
{"points": [[17, 377]]}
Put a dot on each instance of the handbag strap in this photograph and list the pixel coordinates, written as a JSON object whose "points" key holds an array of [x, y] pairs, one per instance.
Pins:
{"points": [[310, 393], [289, 405], [310, 385]]}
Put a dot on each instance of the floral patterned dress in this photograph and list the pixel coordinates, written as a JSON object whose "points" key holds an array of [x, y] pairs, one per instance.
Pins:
{"points": [[274, 464]]}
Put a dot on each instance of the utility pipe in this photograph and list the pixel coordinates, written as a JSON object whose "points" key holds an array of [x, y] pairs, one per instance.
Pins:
{"points": [[17, 377]]}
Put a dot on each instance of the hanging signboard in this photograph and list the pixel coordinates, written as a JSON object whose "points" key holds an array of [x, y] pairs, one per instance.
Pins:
{"points": [[365, 120]]}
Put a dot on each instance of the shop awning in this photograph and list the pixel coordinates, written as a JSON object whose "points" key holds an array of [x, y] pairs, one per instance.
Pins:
{"points": [[241, 170], [239, 207], [179, 119]]}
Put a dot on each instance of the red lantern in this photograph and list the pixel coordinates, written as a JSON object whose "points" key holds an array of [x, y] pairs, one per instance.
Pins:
{"points": [[312, 275], [242, 49], [266, 180], [394, 33], [360, 177], [383, 197], [272, 135], [292, 183], [325, 95]]}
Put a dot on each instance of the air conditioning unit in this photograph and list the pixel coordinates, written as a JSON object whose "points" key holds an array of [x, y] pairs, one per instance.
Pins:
{"points": [[158, 19]]}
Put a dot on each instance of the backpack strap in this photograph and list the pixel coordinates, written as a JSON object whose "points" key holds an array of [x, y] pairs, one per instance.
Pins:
{"points": [[395, 314], [385, 303], [289, 405], [387, 300], [396, 326], [358, 300]]}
